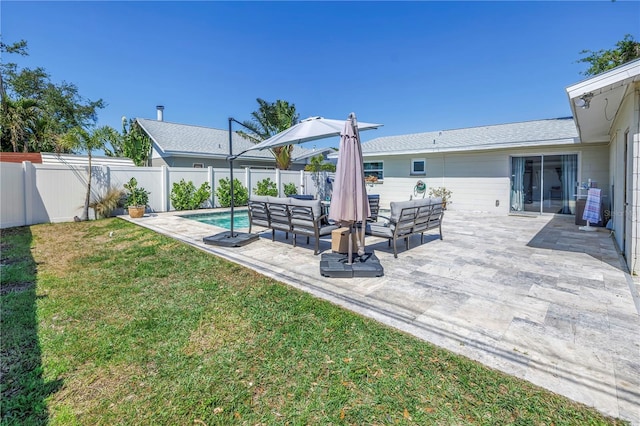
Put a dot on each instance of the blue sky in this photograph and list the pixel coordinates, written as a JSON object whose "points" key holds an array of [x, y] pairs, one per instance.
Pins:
{"points": [[412, 66]]}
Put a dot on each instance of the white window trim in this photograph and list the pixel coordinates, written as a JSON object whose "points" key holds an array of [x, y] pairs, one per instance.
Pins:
{"points": [[375, 170], [413, 168]]}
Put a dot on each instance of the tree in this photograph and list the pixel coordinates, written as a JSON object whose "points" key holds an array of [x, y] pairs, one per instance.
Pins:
{"points": [[60, 106], [269, 120], [315, 166], [19, 47], [18, 120], [626, 50], [134, 143], [88, 140]]}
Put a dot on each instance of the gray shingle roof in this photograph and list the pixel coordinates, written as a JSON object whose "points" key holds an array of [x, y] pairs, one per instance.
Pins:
{"points": [[556, 131], [184, 139]]}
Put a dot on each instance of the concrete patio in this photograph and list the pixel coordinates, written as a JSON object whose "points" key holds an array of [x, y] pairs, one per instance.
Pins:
{"points": [[533, 297]]}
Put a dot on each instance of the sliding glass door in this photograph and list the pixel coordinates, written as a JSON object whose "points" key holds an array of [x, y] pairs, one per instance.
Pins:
{"points": [[544, 183]]}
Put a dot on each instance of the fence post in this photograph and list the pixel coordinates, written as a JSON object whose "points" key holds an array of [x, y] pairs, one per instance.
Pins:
{"points": [[278, 178], [247, 179], [29, 182], [210, 180], [164, 192]]}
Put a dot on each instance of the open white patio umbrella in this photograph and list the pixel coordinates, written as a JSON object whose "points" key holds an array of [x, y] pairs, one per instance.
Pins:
{"points": [[349, 203], [309, 129]]}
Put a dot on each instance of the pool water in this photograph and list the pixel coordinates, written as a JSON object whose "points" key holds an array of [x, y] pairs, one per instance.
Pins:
{"points": [[223, 219]]}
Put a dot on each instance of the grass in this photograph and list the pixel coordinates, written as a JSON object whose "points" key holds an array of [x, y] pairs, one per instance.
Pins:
{"points": [[107, 323]]}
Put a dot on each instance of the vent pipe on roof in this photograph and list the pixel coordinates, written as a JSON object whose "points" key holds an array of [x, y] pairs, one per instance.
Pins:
{"points": [[160, 109]]}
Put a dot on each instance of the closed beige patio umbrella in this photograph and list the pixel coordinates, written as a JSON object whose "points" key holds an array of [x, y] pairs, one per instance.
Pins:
{"points": [[349, 203]]}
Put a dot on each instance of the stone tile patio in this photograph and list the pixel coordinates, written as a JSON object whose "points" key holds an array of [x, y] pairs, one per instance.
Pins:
{"points": [[531, 296]]}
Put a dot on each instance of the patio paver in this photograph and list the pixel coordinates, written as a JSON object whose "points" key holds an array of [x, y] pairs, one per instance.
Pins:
{"points": [[533, 297]]}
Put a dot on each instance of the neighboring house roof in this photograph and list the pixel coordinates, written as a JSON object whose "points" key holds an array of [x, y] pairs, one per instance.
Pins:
{"points": [[69, 159], [183, 140], [596, 100], [557, 131], [83, 160], [19, 157]]}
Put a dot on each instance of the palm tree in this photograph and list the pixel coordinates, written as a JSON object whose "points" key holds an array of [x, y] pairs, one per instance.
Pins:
{"points": [[88, 140], [270, 119], [18, 118]]}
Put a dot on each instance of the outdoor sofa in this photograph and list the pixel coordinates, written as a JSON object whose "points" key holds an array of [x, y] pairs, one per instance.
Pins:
{"points": [[290, 215], [409, 218]]}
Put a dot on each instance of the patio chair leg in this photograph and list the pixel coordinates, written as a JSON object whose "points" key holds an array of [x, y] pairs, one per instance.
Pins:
{"points": [[422, 238], [294, 240], [440, 228], [395, 249], [307, 240], [273, 235]]}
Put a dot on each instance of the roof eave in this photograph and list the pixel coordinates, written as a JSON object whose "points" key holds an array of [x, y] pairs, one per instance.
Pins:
{"points": [[606, 83]]}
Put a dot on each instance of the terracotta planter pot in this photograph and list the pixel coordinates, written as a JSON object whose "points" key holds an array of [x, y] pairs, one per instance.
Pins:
{"points": [[136, 211]]}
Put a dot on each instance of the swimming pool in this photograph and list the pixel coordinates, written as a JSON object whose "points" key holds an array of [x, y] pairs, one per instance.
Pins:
{"points": [[222, 219]]}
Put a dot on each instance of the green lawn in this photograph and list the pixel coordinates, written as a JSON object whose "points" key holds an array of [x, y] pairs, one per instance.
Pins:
{"points": [[107, 323]]}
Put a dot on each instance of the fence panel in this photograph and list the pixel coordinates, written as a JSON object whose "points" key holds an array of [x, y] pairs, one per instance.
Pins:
{"points": [[12, 195], [189, 174], [40, 193], [59, 192]]}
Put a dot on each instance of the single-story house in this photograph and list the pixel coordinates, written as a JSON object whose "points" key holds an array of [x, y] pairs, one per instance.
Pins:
{"points": [[532, 167], [183, 145]]}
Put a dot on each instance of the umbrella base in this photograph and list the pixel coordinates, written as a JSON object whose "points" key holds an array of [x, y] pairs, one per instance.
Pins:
{"points": [[225, 239], [336, 265]]}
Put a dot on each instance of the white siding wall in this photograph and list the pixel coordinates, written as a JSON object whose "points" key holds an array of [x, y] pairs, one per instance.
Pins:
{"points": [[626, 120], [479, 181]]}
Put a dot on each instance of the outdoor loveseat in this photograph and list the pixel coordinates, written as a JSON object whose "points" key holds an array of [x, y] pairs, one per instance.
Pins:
{"points": [[290, 215], [409, 218]]}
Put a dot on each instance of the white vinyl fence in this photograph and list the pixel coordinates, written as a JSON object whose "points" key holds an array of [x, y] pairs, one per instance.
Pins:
{"points": [[41, 193]]}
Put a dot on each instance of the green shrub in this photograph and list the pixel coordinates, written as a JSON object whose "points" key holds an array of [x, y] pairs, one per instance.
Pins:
{"points": [[135, 196], [184, 195], [266, 187], [290, 189], [223, 192]]}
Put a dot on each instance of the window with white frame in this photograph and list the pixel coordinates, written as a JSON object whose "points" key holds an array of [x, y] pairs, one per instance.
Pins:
{"points": [[198, 165], [418, 166], [373, 170]]}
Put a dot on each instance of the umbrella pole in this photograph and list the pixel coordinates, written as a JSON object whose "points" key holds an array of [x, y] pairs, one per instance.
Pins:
{"points": [[350, 245], [231, 176]]}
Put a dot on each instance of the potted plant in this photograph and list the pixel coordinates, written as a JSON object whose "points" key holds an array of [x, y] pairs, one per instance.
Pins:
{"points": [[441, 192], [137, 198]]}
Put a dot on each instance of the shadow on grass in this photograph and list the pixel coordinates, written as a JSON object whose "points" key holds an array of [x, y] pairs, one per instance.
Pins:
{"points": [[23, 389]]}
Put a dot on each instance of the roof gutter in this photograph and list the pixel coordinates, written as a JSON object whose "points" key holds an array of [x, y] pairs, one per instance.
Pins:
{"points": [[491, 147]]}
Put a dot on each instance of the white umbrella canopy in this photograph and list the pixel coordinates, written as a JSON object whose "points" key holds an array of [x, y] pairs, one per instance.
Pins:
{"points": [[349, 203], [309, 129]]}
